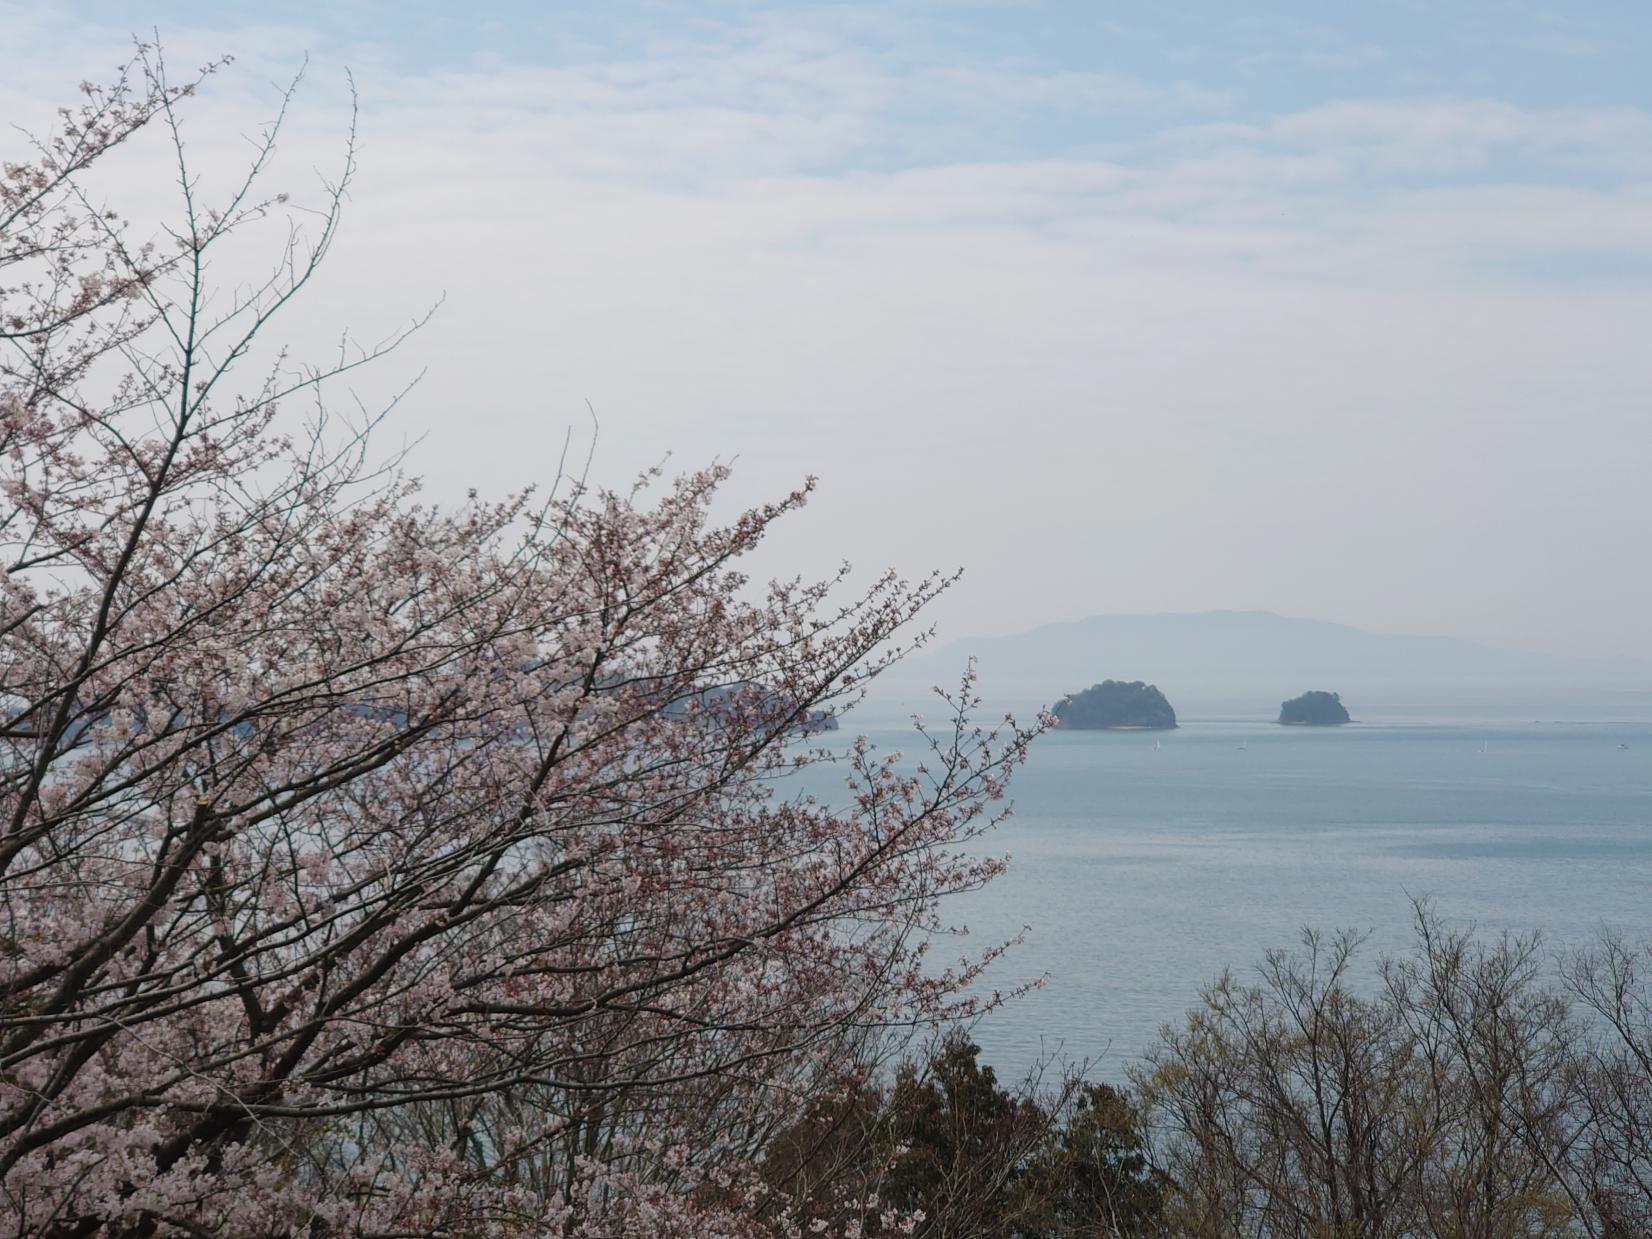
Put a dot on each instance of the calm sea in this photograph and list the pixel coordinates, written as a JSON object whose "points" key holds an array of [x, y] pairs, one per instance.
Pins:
{"points": [[1142, 864]]}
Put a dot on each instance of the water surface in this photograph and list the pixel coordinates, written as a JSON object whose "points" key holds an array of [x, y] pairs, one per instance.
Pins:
{"points": [[1142, 864]]}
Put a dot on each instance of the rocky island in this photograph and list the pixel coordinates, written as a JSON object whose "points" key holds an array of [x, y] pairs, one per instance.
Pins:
{"points": [[1314, 709], [1116, 705]]}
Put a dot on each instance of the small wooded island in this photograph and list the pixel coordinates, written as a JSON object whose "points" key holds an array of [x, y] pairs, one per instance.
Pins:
{"points": [[1116, 705], [1314, 709]]}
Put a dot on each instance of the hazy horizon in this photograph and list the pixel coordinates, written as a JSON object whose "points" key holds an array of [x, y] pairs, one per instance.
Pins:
{"points": [[1126, 308], [1240, 665], [946, 640]]}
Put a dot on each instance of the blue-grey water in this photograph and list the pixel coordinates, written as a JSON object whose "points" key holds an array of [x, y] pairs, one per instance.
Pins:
{"points": [[1142, 864]]}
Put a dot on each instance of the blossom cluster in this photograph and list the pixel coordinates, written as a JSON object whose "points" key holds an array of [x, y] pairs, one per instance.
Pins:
{"points": [[370, 867]]}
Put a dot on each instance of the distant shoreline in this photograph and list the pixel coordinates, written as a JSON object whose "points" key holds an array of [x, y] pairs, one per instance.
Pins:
{"points": [[1121, 727]]}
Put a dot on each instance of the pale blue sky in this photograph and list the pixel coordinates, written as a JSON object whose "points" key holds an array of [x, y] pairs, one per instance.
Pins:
{"points": [[1260, 58], [1331, 309]]}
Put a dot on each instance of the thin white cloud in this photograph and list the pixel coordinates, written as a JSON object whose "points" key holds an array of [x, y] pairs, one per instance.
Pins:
{"points": [[1322, 363]]}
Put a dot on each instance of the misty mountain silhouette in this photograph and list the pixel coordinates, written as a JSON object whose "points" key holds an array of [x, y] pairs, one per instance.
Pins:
{"points": [[1216, 647]]}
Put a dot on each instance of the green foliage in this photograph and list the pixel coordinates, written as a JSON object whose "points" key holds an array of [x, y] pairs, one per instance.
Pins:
{"points": [[1093, 1177], [1116, 703], [945, 1139]]}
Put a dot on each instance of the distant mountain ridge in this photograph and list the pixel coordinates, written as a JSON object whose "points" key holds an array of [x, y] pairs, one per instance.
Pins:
{"points": [[1217, 647]]}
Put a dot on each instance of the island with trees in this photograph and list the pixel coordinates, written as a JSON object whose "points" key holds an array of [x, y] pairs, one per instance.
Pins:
{"points": [[1314, 709], [1116, 705]]}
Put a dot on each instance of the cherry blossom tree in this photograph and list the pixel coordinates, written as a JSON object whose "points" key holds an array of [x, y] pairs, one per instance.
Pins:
{"points": [[368, 866]]}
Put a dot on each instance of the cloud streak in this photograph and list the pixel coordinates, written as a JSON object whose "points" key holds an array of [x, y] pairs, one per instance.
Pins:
{"points": [[1372, 359]]}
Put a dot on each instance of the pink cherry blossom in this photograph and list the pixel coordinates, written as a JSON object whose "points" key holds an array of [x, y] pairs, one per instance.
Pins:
{"points": [[373, 868]]}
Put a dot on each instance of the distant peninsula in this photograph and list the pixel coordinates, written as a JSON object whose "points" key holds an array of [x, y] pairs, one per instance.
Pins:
{"points": [[1314, 709], [1116, 705], [714, 702]]}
